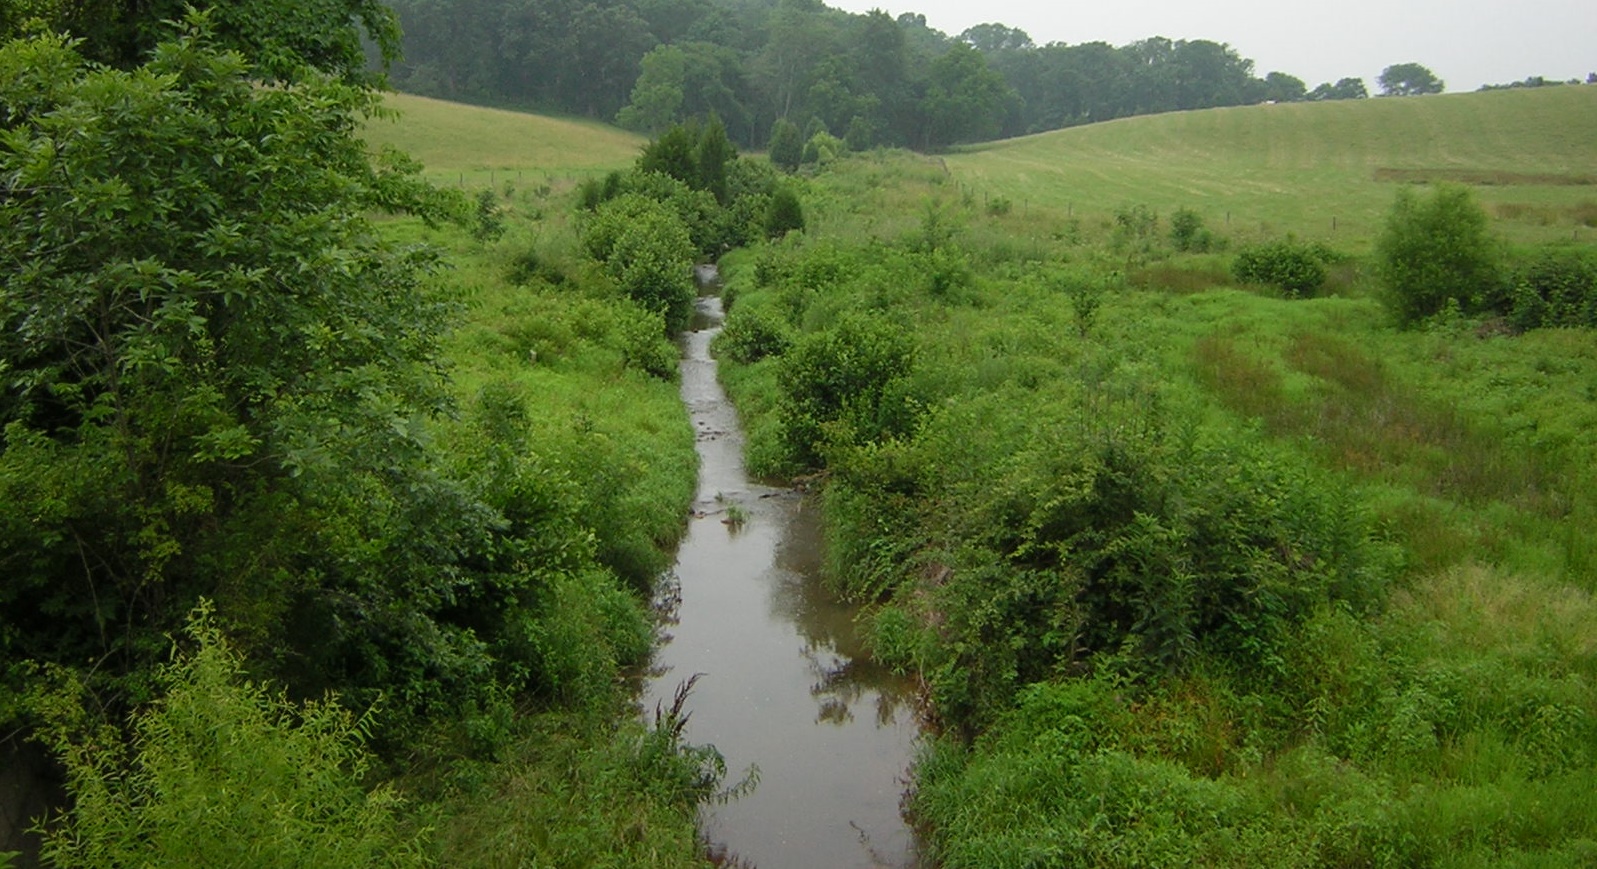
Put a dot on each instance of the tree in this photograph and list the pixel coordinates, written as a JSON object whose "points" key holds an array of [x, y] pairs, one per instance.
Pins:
{"points": [[675, 153], [1434, 252], [713, 154], [278, 36], [216, 377], [1408, 80], [1344, 89], [657, 97], [783, 214], [965, 101], [787, 145], [992, 38], [647, 250], [1282, 88]]}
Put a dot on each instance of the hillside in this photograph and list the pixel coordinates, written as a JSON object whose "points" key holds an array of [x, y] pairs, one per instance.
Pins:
{"points": [[473, 145], [1297, 166]]}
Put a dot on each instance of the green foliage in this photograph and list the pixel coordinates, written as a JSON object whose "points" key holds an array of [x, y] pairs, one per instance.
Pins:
{"points": [[588, 792], [1407, 80], [657, 97], [712, 157], [647, 251], [847, 385], [1206, 588], [1297, 270], [490, 222], [674, 154], [1554, 288], [821, 149], [786, 146], [752, 334], [223, 772], [1433, 251], [1344, 89], [860, 135], [965, 100], [279, 38], [171, 232], [1086, 295], [1187, 232], [784, 214], [1135, 233]]}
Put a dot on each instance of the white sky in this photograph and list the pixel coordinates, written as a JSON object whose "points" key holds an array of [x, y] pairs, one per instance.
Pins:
{"points": [[1466, 44]]}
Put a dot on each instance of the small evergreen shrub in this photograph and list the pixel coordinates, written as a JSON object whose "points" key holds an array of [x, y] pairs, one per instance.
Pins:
{"points": [[783, 214]]}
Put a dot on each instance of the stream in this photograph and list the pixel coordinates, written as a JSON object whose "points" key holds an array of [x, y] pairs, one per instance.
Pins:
{"points": [[786, 686]]}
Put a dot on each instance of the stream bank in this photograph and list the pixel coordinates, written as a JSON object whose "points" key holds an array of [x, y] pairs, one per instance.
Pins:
{"points": [[786, 687]]}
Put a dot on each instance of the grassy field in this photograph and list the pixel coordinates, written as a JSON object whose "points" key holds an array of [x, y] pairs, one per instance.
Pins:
{"points": [[1298, 167], [1435, 704], [472, 146], [1086, 436]]}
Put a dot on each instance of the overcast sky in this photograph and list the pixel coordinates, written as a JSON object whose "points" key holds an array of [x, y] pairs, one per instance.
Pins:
{"points": [[1466, 44]]}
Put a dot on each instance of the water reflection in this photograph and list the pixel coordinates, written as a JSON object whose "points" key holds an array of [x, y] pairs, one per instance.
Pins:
{"points": [[786, 685]]}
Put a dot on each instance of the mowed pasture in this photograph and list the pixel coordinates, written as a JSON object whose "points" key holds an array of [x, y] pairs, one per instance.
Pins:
{"points": [[1325, 171], [474, 146]]}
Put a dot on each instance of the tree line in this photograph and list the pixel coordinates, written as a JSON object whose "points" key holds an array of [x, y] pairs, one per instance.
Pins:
{"points": [[869, 79]]}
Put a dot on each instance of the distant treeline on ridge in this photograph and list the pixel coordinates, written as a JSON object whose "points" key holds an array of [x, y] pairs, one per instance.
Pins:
{"points": [[871, 79]]}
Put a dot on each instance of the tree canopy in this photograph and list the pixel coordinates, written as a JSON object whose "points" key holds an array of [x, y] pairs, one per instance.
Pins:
{"points": [[889, 80], [278, 36], [216, 379], [1408, 80]]}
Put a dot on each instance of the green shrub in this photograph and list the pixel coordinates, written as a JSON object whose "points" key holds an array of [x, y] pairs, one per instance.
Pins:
{"points": [[752, 334], [846, 385], [1556, 288], [787, 145], [224, 772], [647, 250], [1297, 270], [489, 220], [1434, 251], [783, 213], [822, 148], [1187, 232]]}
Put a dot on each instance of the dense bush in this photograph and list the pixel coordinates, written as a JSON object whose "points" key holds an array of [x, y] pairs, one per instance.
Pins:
{"points": [[1434, 251], [784, 214], [846, 385], [1092, 539], [1556, 288], [646, 249], [1187, 232], [217, 379], [787, 145], [752, 334], [1298, 270]]}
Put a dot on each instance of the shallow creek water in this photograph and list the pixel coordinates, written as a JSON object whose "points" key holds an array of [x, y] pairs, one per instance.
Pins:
{"points": [[785, 685]]}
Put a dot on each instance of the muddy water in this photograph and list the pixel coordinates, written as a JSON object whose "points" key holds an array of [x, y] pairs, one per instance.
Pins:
{"points": [[786, 686]]}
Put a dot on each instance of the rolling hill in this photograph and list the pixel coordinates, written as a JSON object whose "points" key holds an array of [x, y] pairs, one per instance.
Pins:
{"points": [[1296, 167], [474, 145]]}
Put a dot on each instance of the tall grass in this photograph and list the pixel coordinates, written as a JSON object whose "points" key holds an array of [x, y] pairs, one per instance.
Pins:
{"points": [[1449, 722]]}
